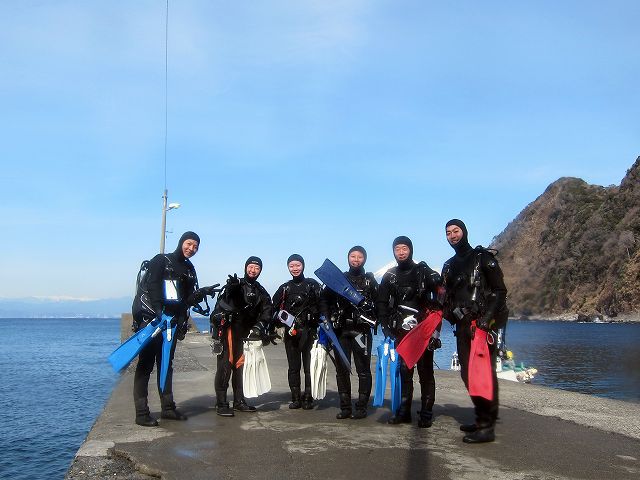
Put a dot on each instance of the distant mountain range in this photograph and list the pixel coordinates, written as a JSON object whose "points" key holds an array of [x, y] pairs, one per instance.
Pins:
{"points": [[31, 307], [575, 250]]}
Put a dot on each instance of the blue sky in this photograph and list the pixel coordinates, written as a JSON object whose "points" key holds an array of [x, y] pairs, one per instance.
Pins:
{"points": [[295, 126]]}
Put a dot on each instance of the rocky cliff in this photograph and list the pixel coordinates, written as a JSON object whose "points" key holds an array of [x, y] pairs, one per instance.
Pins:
{"points": [[575, 250]]}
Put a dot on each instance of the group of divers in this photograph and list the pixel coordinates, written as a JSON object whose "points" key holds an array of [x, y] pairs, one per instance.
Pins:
{"points": [[470, 294]]}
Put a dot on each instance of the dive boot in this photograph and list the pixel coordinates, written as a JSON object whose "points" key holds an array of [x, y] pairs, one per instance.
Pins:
{"points": [[361, 407], [295, 399], [403, 415], [342, 414], [224, 410], [481, 435], [426, 418], [222, 406], [345, 406], [242, 406], [143, 417], [146, 421], [172, 414], [398, 418], [468, 427], [307, 401]]}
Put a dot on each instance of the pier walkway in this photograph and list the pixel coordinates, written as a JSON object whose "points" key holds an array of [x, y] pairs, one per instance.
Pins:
{"points": [[542, 433]]}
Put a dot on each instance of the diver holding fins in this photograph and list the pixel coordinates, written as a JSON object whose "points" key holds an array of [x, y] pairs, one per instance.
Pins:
{"points": [[407, 292], [297, 304], [169, 287], [243, 310], [475, 303], [354, 333]]}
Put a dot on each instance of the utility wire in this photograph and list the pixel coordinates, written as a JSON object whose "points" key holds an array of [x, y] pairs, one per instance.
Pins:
{"points": [[166, 88]]}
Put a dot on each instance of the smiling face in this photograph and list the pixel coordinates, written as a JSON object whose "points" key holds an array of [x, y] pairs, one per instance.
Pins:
{"points": [[454, 234], [253, 271], [401, 252], [295, 268], [356, 259], [189, 248]]}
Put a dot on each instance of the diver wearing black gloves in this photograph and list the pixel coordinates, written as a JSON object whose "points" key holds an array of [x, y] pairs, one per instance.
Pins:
{"points": [[298, 308], [475, 290], [170, 286], [407, 291], [354, 333], [243, 310]]}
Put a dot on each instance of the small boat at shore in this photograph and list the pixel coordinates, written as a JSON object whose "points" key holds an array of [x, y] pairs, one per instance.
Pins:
{"points": [[506, 367], [508, 370]]}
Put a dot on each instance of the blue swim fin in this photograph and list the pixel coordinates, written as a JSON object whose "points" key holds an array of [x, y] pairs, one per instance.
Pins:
{"points": [[381, 373], [333, 278], [168, 339], [394, 376], [326, 327], [125, 353]]}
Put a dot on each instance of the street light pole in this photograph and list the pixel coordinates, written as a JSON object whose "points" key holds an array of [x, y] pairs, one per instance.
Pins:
{"points": [[164, 221]]}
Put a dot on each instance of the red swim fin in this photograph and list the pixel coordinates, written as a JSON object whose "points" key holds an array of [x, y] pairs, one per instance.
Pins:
{"points": [[480, 371], [416, 341]]}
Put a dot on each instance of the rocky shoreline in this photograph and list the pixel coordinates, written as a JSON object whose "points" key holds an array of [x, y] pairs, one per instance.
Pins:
{"points": [[582, 318]]}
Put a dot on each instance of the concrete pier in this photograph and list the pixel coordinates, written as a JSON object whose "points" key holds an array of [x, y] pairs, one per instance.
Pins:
{"points": [[542, 433]]}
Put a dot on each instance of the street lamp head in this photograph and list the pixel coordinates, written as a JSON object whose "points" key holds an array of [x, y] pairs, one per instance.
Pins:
{"points": [[165, 209]]}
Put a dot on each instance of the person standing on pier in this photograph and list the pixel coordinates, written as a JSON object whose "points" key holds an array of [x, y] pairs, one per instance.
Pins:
{"points": [[406, 288], [354, 333], [170, 285], [243, 309], [475, 299], [299, 298]]}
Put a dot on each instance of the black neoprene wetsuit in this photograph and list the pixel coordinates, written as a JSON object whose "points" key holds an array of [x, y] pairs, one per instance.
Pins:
{"points": [[412, 285], [354, 335], [239, 308], [460, 308], [178, 270], [300, 297]]}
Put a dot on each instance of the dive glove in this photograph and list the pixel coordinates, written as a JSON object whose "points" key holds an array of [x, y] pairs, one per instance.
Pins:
{"points": [[484, 323], [216, 346], [434, 344]]}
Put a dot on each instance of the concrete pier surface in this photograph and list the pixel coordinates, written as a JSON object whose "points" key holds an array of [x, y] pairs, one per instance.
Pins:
{"points": [[542, 433]]}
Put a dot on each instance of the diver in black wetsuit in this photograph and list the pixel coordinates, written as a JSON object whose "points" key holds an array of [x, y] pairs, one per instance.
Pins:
{"points": [[176, 270], [412, 285], [354, 333], [243, 309], [299, 297], [475, 290]]}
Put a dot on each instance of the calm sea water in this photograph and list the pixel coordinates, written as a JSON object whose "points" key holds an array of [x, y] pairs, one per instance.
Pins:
{"points": [[600, 359], [56, 379], [55, 382]]}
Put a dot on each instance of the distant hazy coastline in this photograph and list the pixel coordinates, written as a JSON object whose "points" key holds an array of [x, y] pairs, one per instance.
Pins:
{"points": [[33, 307]]}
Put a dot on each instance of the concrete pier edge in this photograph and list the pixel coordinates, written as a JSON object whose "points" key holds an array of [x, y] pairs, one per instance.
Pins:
{"points": [[542, 433]]}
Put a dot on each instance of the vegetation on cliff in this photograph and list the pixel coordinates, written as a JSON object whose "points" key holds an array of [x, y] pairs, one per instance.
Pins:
{"points": [[575, 250]]}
